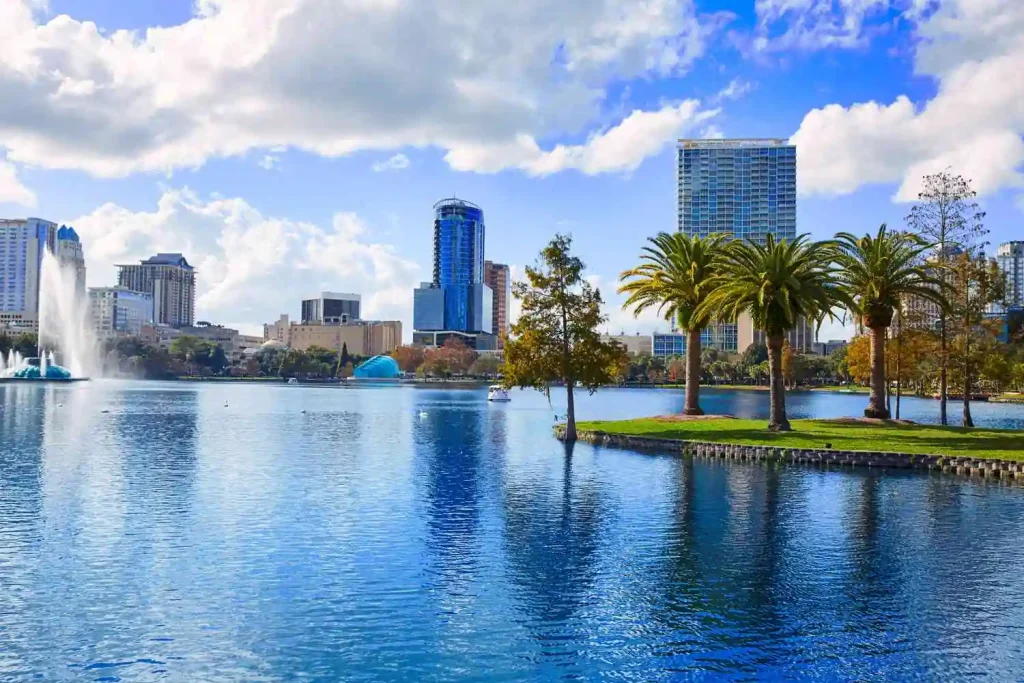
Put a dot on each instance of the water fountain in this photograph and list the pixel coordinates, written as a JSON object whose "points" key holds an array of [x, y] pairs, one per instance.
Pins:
{"points": [[64, 330]]}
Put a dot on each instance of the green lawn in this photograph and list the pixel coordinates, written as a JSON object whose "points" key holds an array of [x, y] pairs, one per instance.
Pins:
{"points": [[1005, 444]]}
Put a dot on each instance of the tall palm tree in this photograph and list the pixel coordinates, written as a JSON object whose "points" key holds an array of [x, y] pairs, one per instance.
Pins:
{"points": [[777, 283], [675, 276], [877, 273]]}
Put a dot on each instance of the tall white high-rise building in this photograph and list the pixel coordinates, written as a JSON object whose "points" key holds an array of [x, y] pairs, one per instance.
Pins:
{"points": [[22, 245], [745, 188]]}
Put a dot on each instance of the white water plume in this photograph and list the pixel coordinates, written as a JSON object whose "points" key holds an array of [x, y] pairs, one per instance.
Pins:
{"points": [[64, 321]]}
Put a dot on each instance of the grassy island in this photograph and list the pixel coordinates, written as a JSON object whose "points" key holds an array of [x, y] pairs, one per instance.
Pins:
{"points": [[845, 435]]}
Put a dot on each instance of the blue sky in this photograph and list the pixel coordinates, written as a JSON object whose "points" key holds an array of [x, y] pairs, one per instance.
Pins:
{"points": [[290, 146]]}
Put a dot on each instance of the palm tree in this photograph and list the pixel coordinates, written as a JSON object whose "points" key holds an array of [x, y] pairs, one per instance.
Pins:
{"points": [[675, 276], [777, 284], [877, 273]]}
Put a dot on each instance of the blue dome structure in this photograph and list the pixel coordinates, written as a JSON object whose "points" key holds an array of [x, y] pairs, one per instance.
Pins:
{"points": [[378, 367], [33, 371]]}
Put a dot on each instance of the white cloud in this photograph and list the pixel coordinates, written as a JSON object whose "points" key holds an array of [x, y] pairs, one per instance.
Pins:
{"points": [[810, 25], [240, 252], [326, 76], [396, 163], [736, 89], [269, 162], [620, 148], [974, 49], [11, 188]]}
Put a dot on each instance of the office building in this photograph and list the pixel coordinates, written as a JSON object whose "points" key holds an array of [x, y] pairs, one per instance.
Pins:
{"points": [[745, 188], [331, 308], [360, 337], [116, 311], [669, 344], [1010, 258], [498, 277], [170, 280], [22, 245], [635, 344], [457, 299]]}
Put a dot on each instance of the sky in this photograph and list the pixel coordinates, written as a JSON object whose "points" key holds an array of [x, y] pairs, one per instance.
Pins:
{"points": [[292, 146]]}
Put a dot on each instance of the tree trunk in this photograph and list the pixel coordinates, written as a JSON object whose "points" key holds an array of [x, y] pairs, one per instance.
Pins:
{"points": [[777, 421], [876, 403], [692, 405], [570, 414], [943, 362], [968, 422]]}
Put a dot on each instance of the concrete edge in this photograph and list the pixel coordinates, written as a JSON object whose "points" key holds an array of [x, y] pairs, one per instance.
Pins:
{"points": [[991, 468]]}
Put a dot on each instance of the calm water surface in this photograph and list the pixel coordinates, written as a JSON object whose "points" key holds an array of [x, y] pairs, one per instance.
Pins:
{"points": [[238, 532]]}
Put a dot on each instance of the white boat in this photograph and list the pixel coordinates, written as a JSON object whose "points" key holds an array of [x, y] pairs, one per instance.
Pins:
{"points": [[497, 394], [293, 380]]}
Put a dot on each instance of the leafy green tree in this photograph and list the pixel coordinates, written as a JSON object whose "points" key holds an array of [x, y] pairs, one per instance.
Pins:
{"points": [[211, 357], [184, 348], [976, 283], [877, 273], [27, 344], [676, 278], [345, 357], [777, 284], [754, 354], [486, 365], [556, 338]]}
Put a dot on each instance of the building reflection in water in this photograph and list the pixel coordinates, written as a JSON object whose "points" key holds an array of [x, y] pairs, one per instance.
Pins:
{"points": [[449, 445]]}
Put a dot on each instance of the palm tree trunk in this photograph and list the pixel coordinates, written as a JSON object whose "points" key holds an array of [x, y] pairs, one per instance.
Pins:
{"points": [[692, 405], [876, 403], [777, 421]]}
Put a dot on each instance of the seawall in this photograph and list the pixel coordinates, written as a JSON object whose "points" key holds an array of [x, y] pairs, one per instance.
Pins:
{"points": [[991, 468]]}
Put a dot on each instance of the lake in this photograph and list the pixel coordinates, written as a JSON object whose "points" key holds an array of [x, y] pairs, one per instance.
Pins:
{"points": [[223, 532]]}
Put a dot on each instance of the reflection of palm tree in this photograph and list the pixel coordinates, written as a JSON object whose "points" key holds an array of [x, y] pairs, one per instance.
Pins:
{"points": [[551, 540]]}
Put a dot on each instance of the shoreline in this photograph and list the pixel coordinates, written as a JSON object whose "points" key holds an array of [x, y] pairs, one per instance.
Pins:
{"points": [[703, 446]]}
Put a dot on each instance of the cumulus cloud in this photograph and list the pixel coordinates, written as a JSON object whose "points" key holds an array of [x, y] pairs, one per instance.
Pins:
{"points": [[974, 124], [620, 148], [11, 188], [396, 163], [325, 76], [238, 251]]}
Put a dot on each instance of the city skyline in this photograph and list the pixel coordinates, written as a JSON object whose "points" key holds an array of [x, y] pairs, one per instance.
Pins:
{"points": [[581, 139]]}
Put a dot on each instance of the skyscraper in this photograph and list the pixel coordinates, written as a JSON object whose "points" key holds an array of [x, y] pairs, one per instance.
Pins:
{"points": [[172, 283], [498, 277], [1010, 257], [745, 188], [22, 245], [457, 300]]}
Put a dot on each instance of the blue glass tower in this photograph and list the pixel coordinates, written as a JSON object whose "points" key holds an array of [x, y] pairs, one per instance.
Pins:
{"points": [[456, 299]]}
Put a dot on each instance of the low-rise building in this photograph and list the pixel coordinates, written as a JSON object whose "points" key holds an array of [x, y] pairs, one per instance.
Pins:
{"points": [[361, 338], [159, 334], [116, 311]]}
